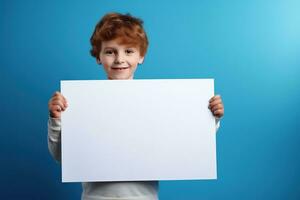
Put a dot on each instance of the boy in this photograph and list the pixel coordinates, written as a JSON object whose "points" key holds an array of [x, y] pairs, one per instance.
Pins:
{"points": [[119, 43]]}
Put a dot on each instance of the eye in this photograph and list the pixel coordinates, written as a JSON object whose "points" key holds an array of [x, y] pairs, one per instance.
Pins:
{"points": [[129, 51], [108, 52]]}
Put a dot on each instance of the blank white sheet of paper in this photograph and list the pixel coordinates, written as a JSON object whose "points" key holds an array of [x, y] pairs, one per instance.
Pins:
{"points": [[134, 130]]}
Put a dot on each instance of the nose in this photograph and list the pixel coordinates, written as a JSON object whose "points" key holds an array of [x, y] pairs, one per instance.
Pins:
{"points": [[120, 58]]}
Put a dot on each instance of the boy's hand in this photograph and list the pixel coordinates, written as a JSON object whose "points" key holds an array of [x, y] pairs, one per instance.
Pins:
{"points": [[57, 104], [216, 106]]}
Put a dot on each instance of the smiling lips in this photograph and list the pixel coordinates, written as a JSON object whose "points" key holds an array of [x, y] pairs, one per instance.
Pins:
{"points": [[120, 68]]}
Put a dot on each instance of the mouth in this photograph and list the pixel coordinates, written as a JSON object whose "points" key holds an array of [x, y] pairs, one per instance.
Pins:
{"points": [[119, 68]]}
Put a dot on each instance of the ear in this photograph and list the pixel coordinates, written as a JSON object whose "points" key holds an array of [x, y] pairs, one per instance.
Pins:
{"points": [[141, 60], [98, 61]]}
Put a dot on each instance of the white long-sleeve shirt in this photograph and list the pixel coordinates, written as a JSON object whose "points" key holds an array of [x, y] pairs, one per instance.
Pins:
{"points": [[134, 190]]}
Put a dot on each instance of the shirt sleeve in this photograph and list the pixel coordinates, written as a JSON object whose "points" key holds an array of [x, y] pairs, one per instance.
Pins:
{"points": [[217, 123], [54, 138]]}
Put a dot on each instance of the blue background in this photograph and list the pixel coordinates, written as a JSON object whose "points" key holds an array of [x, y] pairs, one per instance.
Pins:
{"points": [[251, 48]]}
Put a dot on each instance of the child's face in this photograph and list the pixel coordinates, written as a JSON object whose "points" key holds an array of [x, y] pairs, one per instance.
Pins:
{"points": [[119, 61]]}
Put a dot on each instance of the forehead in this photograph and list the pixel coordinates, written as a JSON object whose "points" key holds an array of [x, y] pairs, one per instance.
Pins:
{"points": [[117, 43]]}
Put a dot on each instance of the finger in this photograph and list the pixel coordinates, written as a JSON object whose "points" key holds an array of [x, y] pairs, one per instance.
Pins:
{"points": [[56, 108], [62, 107], [215, 97], [215, 102], [58, 98], [216, 107], [60, 103], [56, 93], [219, 112], [51, 101], [59, 95], [65, 100]]}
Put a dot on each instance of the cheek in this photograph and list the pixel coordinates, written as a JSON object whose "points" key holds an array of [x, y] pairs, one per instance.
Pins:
{"points": [[106, 63], [134, 62], [106, 67]]}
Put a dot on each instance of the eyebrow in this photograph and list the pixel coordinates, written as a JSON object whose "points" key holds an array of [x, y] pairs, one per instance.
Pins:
{"points": [[130, 47], [109, 48], [126, 47]]}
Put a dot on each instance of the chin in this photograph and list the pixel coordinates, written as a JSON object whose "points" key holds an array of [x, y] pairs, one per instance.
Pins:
{"points": [[121, 77]]}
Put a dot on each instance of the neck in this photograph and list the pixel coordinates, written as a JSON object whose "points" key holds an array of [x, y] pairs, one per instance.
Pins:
{"points": [[110, 78]]}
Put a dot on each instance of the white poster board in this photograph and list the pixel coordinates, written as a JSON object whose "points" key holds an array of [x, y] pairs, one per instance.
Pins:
{"points": [[133, 130]]}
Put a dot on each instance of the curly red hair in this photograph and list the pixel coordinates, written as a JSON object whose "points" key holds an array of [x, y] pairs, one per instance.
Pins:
{"points": [[125, 28]]}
